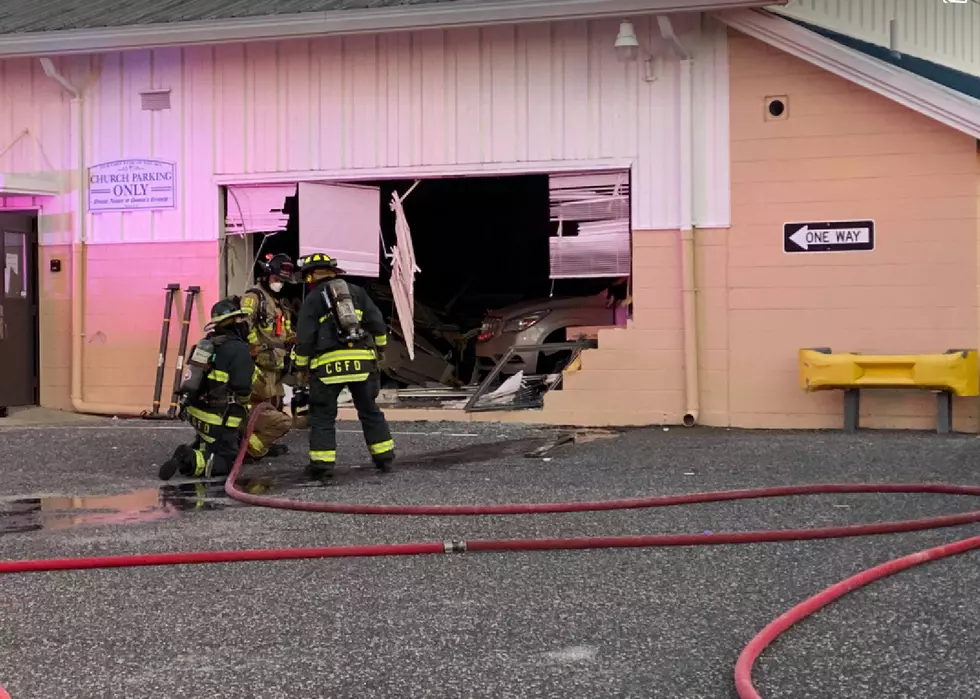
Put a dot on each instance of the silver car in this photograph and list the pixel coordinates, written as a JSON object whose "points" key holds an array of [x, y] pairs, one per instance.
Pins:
{"points": [[536, 322]]}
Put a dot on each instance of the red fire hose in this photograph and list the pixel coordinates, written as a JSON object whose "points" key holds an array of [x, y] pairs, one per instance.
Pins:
{"points": [[743, 670]]}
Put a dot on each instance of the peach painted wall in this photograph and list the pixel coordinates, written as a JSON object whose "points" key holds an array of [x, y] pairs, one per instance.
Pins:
{"points": [[124, 310], [54, 300], [842, 153]]}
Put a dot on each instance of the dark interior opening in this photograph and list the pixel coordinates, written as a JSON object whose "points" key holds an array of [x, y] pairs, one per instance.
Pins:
{"points": [[481, 244]]}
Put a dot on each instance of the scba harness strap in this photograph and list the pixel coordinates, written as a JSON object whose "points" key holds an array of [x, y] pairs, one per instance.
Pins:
{"points": [[260, 306]]}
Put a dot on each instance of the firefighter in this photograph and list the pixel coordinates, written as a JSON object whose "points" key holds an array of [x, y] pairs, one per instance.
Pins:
{"points": [[270, 339], [340, 338], [217, 383]]}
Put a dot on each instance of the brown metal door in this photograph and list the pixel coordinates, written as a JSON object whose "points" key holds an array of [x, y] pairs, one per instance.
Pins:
{"points": [[18, 345]]}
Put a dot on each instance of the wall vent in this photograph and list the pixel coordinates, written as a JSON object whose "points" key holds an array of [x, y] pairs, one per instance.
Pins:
{"points": [[155, 100], [777, 108]]}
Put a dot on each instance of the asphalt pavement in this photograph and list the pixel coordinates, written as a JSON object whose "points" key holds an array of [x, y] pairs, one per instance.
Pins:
{"points": [[612, 623]]}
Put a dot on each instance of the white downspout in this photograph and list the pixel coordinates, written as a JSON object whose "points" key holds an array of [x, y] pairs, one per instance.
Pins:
{"points": [[689, 291], [78, 254]]}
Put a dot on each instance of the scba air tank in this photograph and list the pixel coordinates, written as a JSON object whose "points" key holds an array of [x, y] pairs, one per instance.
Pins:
{"points": [[343, 303], [197, 366]]}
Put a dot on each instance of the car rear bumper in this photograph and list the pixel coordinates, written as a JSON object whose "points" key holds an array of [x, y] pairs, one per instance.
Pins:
{"points": [[490, 353]]}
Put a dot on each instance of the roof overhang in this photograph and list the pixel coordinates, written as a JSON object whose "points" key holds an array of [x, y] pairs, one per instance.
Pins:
{"points": [[311, 24], [938, 102], [20, 184]]}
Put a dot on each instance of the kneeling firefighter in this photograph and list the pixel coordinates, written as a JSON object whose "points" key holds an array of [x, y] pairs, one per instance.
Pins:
{"points": [[340, 337], [217, 383], [270, 339]]}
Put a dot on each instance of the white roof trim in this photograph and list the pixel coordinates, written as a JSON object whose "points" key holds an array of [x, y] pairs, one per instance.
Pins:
{"points": [[13, 184], [938, 102], [527, 167], [309, 24]]}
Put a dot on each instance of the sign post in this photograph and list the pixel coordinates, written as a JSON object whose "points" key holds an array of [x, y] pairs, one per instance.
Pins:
{"points": [[829, 236]]}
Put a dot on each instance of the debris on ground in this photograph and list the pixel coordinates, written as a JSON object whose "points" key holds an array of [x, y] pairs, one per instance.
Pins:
{"points": [[577, 437]]}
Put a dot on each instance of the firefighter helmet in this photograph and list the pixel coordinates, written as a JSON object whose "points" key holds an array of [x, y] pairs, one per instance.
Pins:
{"points": [[318, 260], [224, 311], [280, 265]]}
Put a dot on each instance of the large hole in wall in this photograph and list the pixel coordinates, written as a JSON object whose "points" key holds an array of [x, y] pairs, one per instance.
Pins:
{"points": [[483, 246]]}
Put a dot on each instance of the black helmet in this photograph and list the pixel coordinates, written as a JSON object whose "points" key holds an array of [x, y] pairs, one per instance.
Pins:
{"points": [[225, 311], [280, 265], [315, 261]]}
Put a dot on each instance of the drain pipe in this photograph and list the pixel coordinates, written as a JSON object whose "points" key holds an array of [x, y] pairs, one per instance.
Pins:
{"points": [[689, 291], [78, 249]]}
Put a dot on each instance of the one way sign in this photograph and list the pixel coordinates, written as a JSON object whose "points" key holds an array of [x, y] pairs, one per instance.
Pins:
{"points": [[829, 236]]}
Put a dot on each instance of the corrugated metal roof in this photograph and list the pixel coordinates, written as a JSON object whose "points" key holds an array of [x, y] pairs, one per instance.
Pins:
{"points": [[54, 15], [948, 77], [939, 31]]}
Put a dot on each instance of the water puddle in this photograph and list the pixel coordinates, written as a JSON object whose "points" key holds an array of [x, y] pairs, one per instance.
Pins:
{"points": [[53, 512]]}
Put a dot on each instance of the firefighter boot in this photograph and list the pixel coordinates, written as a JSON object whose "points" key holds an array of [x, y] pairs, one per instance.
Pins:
{"points": [[184, 459], [320, 471], [384, 462]]}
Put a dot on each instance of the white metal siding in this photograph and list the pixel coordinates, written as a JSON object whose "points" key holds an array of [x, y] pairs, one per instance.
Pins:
{"points": [[530, 93], [945, 33]]}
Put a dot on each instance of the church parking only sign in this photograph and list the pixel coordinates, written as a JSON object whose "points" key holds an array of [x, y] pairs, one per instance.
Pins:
{"points": [[135, 184], [829, 236]]}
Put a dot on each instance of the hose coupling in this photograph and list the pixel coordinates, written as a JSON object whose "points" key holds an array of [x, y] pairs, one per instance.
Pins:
{"points": [[454, 546]]}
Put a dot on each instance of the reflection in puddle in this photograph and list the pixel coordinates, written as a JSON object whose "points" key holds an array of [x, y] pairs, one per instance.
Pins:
{"points": [[53, 512], [138, 506]]}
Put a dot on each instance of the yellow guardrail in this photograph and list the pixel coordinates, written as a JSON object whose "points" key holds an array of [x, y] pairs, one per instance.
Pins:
{"points": [[952, 373], [956, 371]]}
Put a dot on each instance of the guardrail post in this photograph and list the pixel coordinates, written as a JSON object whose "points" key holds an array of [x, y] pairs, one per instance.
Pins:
{"points": [[944, 412], [852, 409]]}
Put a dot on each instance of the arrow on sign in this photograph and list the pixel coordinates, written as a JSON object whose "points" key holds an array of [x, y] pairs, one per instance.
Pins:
{"points": [[829, 236]]}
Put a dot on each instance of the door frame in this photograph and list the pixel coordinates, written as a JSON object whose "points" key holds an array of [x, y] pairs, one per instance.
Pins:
{"points": [[34, 250]]}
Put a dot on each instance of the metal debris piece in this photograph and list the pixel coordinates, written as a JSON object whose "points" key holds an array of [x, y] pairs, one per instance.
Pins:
{"points": [[523, 391], [545, 449], [586, 436]]}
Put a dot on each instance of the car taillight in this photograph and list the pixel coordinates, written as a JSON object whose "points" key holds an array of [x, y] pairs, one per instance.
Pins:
{"points": [[487, 330]]}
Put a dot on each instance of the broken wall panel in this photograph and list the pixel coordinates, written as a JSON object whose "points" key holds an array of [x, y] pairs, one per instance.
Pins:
{"points": [[596, 206], [403, 269], [589, 197], [257, 208], [591, 256], [342, 221]]}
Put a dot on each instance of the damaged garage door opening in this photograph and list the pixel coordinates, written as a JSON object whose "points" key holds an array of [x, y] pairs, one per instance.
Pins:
{"points": [[472, 273]]}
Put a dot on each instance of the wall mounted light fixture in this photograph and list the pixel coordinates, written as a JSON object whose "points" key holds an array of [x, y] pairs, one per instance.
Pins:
{"points": [[628, 49]]}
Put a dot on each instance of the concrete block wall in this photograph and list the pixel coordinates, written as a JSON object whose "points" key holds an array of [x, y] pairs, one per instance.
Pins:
{"points": [[636, 377]]}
